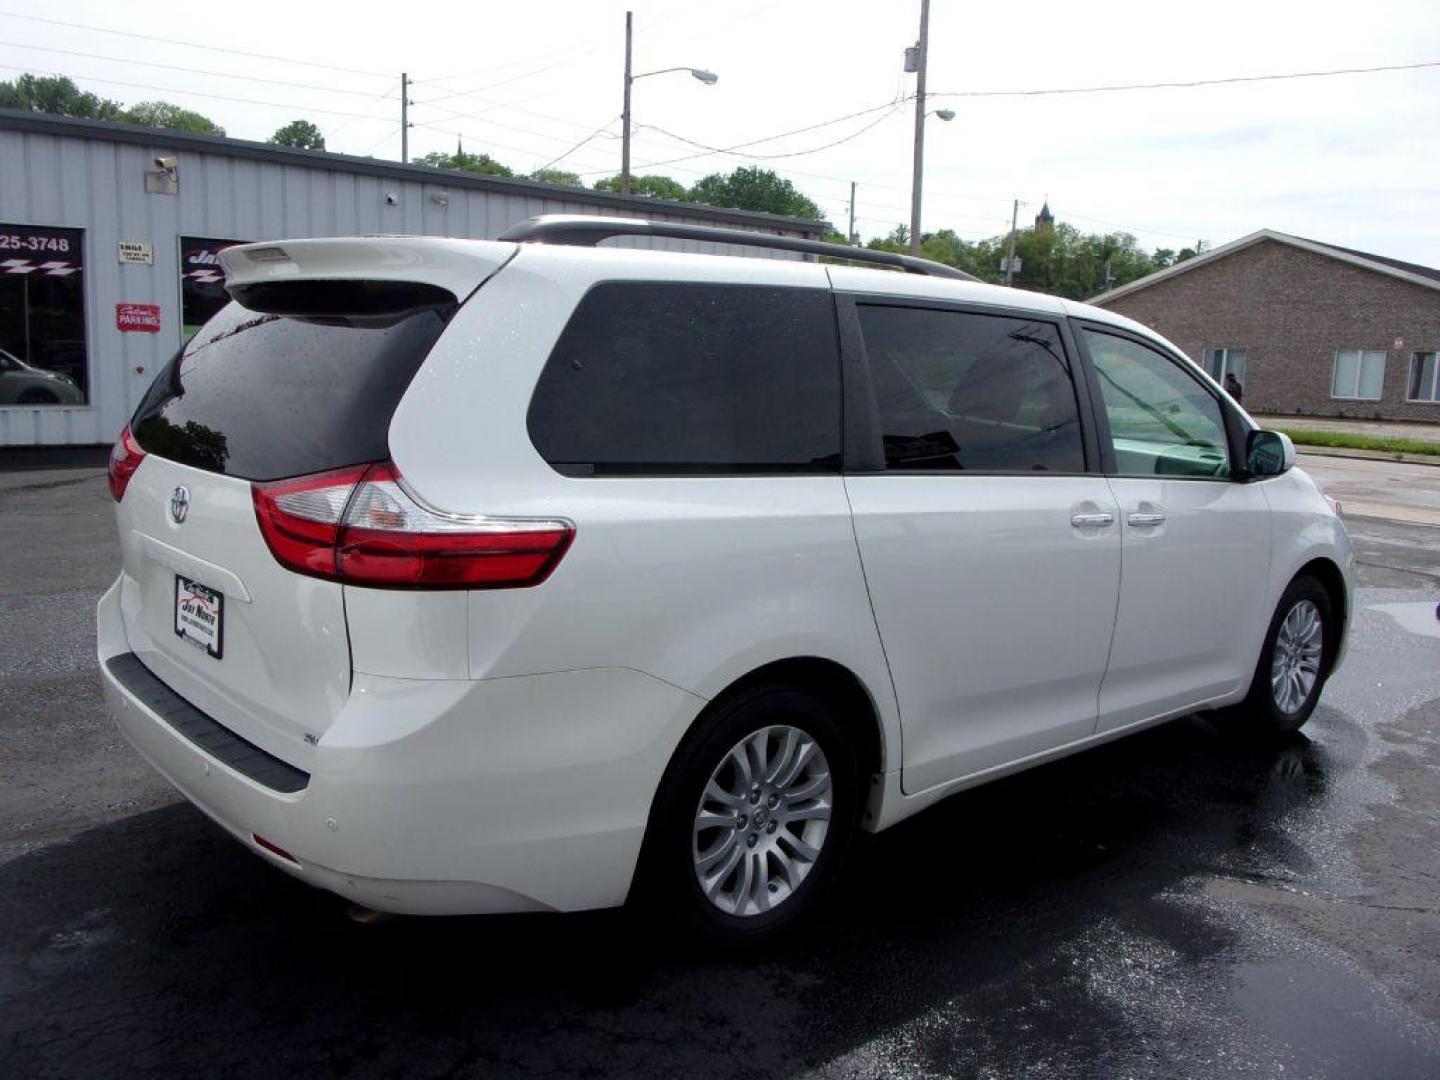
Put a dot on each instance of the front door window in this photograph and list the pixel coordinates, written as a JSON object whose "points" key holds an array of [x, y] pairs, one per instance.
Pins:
{"points": [[1163, 422]]}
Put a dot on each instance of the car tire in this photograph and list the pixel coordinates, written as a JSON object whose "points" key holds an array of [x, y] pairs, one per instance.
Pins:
{"points": [[37, 397], [1293, 666], [740, 873]]}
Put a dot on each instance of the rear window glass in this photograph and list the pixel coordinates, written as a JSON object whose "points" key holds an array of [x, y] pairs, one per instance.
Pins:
{"points": [[265, 396], [669, 379]]}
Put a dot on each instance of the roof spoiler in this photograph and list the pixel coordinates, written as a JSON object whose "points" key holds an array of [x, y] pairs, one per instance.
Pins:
{"points": [[458, 267]]}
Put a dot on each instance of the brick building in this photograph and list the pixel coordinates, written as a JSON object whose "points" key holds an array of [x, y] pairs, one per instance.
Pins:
{"points": [[1305, 327]]}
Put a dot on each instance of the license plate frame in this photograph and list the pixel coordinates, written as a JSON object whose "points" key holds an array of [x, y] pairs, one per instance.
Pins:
{"points": [[191, 619]]}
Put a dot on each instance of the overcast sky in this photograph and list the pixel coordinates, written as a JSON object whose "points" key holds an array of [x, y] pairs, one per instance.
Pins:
{"points": [[1353, 159]]}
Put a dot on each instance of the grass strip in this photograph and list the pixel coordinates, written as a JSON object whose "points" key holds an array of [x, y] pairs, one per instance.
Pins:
{"points": [[1361, 442]]}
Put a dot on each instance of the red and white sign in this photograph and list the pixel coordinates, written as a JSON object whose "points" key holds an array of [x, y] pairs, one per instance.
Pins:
{"points": [[142, 318]]}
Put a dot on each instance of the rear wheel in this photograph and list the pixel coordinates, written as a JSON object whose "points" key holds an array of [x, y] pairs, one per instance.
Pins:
{"points": [[1293, 665], [753, 817]]}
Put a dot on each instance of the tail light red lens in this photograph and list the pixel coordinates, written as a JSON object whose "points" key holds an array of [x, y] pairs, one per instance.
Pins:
{"points": [[362, 527], [125, 458]]}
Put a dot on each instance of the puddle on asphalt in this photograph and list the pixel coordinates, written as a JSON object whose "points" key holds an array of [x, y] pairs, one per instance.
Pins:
{"points": [[1418, 617]]}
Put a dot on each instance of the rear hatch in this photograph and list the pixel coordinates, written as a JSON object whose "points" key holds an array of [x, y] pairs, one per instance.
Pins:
{"points": [[301, 375]]}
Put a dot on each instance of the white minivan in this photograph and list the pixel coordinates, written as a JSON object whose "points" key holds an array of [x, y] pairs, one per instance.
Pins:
{"points": [[534, 575]]}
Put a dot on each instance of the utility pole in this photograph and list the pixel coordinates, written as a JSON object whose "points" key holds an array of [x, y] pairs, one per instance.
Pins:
{"points": [[404, 117], [1010, 258], [625, 113], [850, 237], [922, 48]]}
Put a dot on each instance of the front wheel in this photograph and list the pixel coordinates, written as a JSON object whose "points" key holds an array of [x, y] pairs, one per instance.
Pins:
{"points": [[753, 816], [1294, 663]]}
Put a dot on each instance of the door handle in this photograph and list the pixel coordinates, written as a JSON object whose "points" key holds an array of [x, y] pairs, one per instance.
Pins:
{"points": [[1142, 520], [1091, 521]]}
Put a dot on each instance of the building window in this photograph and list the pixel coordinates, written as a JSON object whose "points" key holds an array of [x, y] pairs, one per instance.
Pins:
{"points": [[202, 281], [1359, 374], [1423, 376], [42, 316], [1220, 362]]}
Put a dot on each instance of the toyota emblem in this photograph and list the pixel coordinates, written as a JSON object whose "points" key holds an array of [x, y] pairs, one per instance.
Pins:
{"points": [[179, 504]]}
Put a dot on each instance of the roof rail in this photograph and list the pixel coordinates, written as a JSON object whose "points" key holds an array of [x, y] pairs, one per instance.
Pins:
{"points": [[584, 231]]}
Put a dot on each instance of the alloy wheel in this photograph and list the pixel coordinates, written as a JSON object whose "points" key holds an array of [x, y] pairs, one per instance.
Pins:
{"points": [[762, 820], [1295, 662]]}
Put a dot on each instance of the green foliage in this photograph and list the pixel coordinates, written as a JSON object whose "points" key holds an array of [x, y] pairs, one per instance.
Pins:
{"points": [[476, 163], [654, 187], [557, 176], [59, 95], [301, 134], [1303, 437], [754, 189], [164, 114]]}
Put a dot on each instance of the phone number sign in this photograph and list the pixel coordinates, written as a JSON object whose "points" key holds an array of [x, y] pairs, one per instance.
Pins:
{"points": [[32, 249]]}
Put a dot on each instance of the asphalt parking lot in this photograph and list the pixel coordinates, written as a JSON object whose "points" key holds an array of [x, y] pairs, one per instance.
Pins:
{"points": [[1175, 904]]}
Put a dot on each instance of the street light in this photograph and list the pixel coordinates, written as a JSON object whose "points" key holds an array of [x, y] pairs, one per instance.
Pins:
{"points": [[709, 78]]}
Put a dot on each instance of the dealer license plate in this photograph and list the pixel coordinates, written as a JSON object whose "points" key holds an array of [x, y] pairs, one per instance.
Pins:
{"points": [[199, 615]]}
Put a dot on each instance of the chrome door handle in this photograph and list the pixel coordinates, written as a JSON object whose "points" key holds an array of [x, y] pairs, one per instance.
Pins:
{"points": [[1082, 521], [1146, 519]]}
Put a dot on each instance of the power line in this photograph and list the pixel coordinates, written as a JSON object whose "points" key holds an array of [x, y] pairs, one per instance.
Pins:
{"points": [[195, 71], [764, 157], [491, 144], [552, 163], [1189, 83], [192, 44]]}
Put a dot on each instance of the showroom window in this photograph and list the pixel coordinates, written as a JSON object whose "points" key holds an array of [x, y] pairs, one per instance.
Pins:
{"points": [[1423, 375], [1359, 374], [202, 281], [42, 316]]}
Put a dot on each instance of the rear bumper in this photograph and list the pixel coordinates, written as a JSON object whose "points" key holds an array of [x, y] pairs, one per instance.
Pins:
{"points": [[443, 796]]}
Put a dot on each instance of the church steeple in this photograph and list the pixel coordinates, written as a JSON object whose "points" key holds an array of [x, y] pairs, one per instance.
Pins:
{"points": [[1044, 220]]}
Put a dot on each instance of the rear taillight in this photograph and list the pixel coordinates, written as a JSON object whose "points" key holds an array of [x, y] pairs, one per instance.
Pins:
{"points": [[125, 458], [362, 527]]}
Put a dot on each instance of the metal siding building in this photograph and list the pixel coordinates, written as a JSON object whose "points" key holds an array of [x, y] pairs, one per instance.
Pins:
{"points": [[71, 191]]}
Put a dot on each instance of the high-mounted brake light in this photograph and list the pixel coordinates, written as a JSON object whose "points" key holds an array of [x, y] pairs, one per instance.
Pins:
{"points": [[361, 526], [125, 458]]}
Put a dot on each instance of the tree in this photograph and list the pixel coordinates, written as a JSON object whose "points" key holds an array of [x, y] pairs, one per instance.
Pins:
{"points": [[557, 176], [59, 95], [301, 134], [754, 189], [653, 187], [164, 114], [476, 163]]}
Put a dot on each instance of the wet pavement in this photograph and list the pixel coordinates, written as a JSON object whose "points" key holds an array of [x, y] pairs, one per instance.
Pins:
{"points": [[1176, 904]]}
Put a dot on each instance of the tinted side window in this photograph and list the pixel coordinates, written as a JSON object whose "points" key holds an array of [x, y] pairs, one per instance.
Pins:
{"points": [[665, 379], [1162, 421], [958, 390]]}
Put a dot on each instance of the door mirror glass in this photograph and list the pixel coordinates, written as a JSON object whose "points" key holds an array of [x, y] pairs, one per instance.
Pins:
{"points": [[1269, 453]]}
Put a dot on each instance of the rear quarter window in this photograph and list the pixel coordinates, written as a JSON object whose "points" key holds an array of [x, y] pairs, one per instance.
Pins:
{"points": [[664, 379]]}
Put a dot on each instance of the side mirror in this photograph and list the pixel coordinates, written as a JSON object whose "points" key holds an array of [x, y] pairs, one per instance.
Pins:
{"points": [[1269, 453]]}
